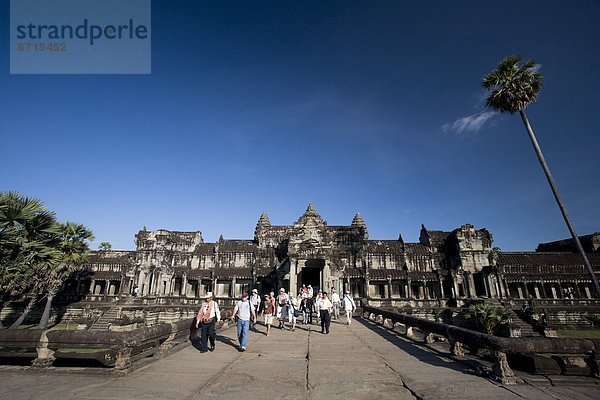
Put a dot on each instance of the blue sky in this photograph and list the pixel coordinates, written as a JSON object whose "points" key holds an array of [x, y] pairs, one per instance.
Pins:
{"points": [[374, 107]]}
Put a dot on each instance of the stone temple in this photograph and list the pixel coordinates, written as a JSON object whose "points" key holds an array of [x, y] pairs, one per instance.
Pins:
{"points": [[443, 268]]}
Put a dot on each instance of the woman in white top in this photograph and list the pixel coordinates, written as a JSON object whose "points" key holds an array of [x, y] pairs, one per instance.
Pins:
{"points": [[294, 306], [208, 316]]}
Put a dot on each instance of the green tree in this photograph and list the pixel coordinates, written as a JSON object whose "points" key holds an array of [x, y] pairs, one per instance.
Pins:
{"points": [[513, 87], [487, 318], [73, 251], [27, 239], [104, 246]]}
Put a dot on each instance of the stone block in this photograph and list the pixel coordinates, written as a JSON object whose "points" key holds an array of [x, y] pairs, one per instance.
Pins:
{"points": [[535, 364], [573, 365]]}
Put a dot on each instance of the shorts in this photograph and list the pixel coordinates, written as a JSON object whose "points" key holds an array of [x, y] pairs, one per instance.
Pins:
{"points": [[268, 319]]}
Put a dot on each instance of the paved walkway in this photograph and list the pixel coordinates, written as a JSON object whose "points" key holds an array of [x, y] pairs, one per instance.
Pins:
{"points": [[362, 361]]}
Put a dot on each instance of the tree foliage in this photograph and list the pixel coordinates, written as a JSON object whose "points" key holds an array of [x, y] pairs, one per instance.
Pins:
{"points": [[513, 87], [487, 318], [37, 253]]}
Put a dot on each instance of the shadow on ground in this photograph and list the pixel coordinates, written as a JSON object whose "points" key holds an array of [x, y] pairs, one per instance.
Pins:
{"points": [[415, 350]]}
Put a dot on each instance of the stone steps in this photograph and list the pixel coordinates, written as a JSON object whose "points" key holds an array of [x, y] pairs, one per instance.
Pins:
{"points": [[103, 323]]}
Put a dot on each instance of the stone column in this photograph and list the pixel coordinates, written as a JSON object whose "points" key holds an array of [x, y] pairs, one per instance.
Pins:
{"points": [[233, 293], [577, 291], [409, 288], [184, 285], [455, 286], [106, 287], [525, 288], [389, 285], [471, 285], [293, 276], [486, 285]]}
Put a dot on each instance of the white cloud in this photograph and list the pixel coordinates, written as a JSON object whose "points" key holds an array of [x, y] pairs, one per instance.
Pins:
{"points": [[469, 124]]}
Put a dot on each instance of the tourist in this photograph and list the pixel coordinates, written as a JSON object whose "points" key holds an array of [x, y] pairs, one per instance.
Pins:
{"points": [[293, 310], [208, 316], [325, 308], [317, 310], [135, 291], [245, 313], [309, 291], [255, 301], [335, 300], [268, 311], [349, 306], [282, 307], [306, 307]]}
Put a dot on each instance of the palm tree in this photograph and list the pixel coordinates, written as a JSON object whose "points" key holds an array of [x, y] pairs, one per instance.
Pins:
{"points": [[73, 253], [486, 317], [27, 240], [513, 87]]}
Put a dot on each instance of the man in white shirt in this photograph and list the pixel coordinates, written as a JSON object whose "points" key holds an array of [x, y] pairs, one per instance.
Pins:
{"points": [[349, 306], [325, 307], [255, 301], [245, 313], [335, 300]]}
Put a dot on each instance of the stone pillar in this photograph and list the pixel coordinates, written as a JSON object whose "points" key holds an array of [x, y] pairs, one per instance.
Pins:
{"points": [[233, 293], [455, 286], [502, 370], [389, 285], [184, 285], [45, 356], [409, 293], [442, 291], [471, 285], [456, 348], [93, 286], [486, 285], [577, 291], [525, 288], [293, 277], [106, 287]]}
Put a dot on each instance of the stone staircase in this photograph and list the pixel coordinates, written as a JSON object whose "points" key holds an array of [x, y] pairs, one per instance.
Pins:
{"points": [[110, 315], [516, 320], [526, 328]]}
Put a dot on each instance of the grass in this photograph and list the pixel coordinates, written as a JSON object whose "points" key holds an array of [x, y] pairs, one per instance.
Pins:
{"points": [[81, 351], [579, 333], [58, 327]]}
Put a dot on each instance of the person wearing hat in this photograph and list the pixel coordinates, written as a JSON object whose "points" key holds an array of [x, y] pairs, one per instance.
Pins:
{"points": [[208, 315], [349, 306], [268, 310], [245, 313], [282, 307], [255, 301]]}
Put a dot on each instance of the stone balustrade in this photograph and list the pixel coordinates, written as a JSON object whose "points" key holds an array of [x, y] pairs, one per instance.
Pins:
{"points": [[564, 351]]}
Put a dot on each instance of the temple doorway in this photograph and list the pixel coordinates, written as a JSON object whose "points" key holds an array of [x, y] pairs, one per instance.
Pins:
{"points": [[311, 274]]}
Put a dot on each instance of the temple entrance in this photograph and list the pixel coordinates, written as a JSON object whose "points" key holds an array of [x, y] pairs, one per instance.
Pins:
{"points": [[310, 274]]}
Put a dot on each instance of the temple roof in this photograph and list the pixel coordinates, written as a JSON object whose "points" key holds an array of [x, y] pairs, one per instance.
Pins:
{"points": [[383, 246], [111, 257], [417, 249], [237, 246], [539, 258]]}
